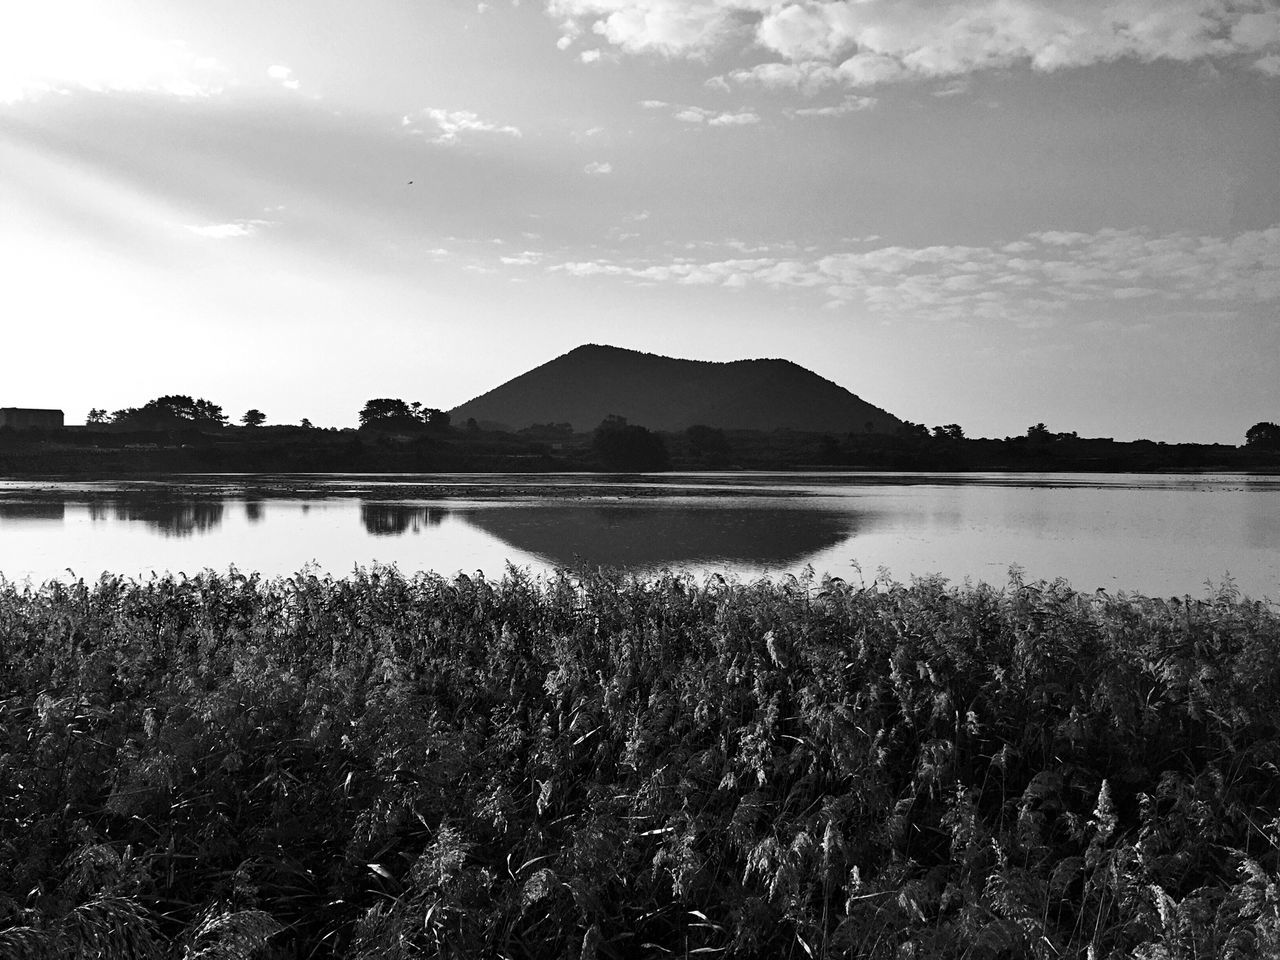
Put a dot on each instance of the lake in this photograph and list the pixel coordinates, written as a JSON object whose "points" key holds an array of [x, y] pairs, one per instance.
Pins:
{"points": [[1156, 534]]}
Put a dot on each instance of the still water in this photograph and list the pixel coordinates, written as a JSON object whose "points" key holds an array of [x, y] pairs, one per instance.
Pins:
{"points": [[1154, 534]]}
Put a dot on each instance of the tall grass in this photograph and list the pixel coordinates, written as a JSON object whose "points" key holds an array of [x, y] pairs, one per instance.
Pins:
{"points": [[383, 766]]}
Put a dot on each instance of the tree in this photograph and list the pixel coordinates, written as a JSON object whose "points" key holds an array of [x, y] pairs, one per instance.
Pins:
{"points": [[952, 431], [1263, 436], [96, 415], [1039, 432], [305, 424], [623, 446], [170, 412], [253, 418], [387, 413], [384, 411]]}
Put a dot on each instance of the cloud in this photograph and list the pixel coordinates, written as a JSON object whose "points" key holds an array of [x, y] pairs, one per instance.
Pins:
{"points": [[283, 75], [597, 169], [523, 259], [63, 45], [229, 231], [821, 43], [850, 104], [691, 114], [671, 27], [1033, 277], [1270, 64], [589, 56], [448, 125], [739, 119]]}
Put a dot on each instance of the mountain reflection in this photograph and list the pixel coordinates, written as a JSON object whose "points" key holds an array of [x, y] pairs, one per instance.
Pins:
{"points": [[394, 519], [657, 535]]}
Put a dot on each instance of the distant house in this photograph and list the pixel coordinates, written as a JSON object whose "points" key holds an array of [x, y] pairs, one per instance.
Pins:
{"points": [[21, 418]]}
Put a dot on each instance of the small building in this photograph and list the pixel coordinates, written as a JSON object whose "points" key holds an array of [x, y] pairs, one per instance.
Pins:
{"points": [[22, 418]]}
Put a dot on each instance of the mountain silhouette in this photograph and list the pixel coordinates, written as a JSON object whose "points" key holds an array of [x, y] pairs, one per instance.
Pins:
{"points": [[587, 384]]}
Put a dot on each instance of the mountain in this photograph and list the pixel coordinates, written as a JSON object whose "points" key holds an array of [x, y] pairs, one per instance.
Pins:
{"points": [[663, 393]]}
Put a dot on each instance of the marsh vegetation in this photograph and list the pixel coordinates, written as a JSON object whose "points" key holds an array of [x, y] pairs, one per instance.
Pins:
{"points": [[605, 766]]}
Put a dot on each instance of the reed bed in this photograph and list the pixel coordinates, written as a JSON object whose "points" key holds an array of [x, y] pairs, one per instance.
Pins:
{"points": [[596, 765]]}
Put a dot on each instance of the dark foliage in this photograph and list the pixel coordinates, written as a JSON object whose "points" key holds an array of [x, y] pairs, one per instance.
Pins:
{"points": [[393, 414], [619, 445], [1264, 436], [170, 412], [708, 444], [597, 766]]}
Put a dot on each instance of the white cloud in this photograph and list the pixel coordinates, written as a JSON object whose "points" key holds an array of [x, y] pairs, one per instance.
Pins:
{"points": [[597, 169], [229, 231], [850, 104], [448, 125], [740, 119], [589, 56], [282, 75], [692, 114], [862, 42], [523, 259], [61, 45], [670, 27], [1270, 64], [952, 89], [1032, 277]]}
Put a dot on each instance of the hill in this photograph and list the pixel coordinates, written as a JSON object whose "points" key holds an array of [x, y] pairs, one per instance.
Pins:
{"points": [[587, 384]]}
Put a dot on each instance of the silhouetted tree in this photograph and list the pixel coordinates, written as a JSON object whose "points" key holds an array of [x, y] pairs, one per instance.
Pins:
{"points": [[394, 414], [173, 410], [1039, 432], [253, 418], [96, 415], [1263, 436], [384, 411], [952, 431], [305, 424], [623, 446]]}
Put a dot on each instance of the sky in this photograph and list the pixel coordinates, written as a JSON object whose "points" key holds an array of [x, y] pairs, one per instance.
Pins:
{"points": [[985, 212]]}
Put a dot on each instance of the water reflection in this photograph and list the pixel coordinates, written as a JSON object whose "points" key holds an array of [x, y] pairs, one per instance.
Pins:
{"points": [[1156, 534], [178, 518], [649, 535], [169, 517], [394, 519], [33, 511]]}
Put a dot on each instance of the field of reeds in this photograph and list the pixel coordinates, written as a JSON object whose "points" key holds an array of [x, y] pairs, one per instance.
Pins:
{"points": [[596, 766]]}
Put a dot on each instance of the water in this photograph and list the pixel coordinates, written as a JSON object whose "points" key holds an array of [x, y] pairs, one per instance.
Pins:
{"points": [[1161, 535]]}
